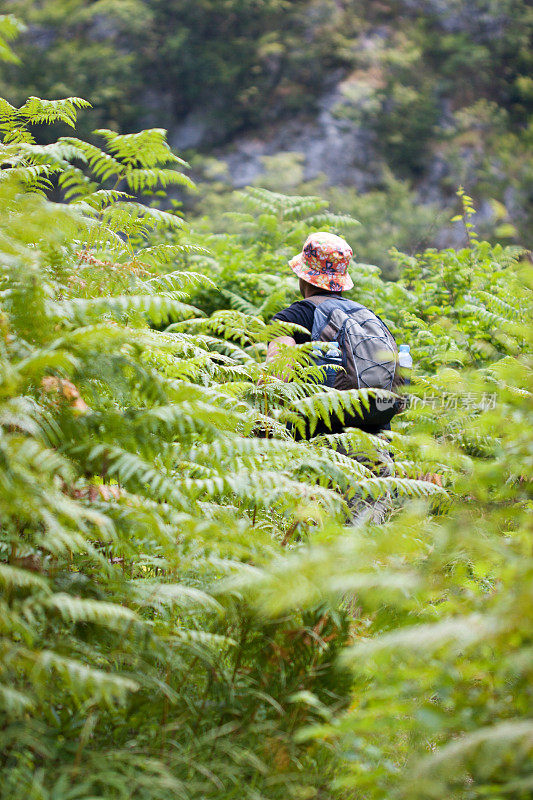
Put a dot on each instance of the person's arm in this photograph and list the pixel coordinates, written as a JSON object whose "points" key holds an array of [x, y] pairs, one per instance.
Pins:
{"points": [[300, 314], [273, 351], [273, 347]]}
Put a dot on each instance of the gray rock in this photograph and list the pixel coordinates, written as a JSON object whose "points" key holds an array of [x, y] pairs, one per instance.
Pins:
{"points": [[332, 146], [483, 20], [40, 37], [193, 132]]}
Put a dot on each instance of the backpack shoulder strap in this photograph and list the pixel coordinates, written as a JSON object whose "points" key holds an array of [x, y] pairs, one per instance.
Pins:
{"points": [[349, 306], [325, 307], [317, 299]]}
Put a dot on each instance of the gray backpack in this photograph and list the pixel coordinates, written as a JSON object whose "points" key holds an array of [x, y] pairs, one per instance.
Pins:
{"points": [[369, 352]]}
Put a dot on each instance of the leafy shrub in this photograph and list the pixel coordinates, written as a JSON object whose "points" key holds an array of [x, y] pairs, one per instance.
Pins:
{"points": [[130, 488], [187, 605]]}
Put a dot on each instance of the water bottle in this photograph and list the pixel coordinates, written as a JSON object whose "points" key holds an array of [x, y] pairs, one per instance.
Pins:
{"points": [[405, 361], [332, 357]]}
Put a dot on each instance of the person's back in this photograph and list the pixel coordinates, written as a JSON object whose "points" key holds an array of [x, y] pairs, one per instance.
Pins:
{"points": [[322, 268]]}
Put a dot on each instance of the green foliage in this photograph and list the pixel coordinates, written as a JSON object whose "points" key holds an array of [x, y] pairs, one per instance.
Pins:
{"points": [[445, 89], [249, 237], [238, 61], [10, 28], [392, 218], [441, 93], [441, 647], [77, 48], [193, 602], [131, 486]]}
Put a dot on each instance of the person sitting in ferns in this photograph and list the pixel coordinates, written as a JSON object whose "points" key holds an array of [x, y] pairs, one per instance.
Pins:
{"points": [[369, 352]]}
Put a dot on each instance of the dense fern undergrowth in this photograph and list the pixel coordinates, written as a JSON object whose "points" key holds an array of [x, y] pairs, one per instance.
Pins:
{"points": [[189, 608]]}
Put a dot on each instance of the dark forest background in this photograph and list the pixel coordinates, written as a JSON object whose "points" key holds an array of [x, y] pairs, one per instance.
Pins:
{"points": [[383, 108]]}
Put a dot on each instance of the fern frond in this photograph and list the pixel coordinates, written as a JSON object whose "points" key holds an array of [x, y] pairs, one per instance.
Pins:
{"points": [[156, 594], [34, 178], [77, 609], [10, 28], [16, 578], [102, 165], [239, 303], [157, 307], [177, 280], [323, 405], [80, 680], [164, 253], [13, 702], [146, 149], [135, 219], [331, 220], [461, 631], [399, 487], [130, 470], [35, 110], [143, 180], [453, 758], [100, 199], [76, 185]]}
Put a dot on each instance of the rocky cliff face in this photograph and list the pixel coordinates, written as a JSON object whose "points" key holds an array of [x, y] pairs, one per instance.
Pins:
{"points": [[337, 148], [425, 90], [337, 140]]}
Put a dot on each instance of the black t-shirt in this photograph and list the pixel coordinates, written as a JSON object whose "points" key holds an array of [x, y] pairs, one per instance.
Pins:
{"points": [[301, 313]]}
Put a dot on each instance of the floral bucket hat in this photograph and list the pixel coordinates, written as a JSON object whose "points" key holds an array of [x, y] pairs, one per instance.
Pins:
{"points": [[324, 262]]}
